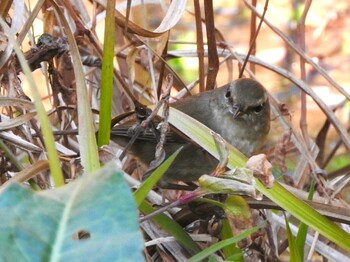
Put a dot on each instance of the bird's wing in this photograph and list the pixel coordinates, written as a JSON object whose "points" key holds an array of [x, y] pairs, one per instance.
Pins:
{"points": [[127, 130]]}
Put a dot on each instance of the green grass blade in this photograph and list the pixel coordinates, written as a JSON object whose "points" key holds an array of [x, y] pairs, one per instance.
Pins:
{"points": [[293, 249], [107, 76], [306, 214], [49, 140], [141, 193], [302, 231], [230, 250], [171, 227], [217, 246]]}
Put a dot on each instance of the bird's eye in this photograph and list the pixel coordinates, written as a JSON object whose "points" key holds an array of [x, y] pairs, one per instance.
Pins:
{"points": [[257, 109], [228, 94]]}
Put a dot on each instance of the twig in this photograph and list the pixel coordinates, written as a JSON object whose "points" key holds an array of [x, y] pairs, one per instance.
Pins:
{"points": [[200, 44], [303, 104], [253, 39], [213, 58]]}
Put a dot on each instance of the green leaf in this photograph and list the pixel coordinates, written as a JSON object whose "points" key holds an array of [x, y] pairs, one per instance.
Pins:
{"points": [[306, 214], [107, 76], [217, 246], [43, 226], [237, 206], [293, 249], [141, 193], [303, 228], [230, 251], [171, 227]]}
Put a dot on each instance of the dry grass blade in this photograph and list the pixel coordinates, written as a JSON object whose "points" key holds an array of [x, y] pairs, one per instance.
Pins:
{"points": [[5, 7], [29, 21], [28, 173], [17, 121], [87, 139], [172, 16]]}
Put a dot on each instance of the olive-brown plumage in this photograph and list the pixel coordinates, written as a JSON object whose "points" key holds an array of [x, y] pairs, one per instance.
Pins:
{"points": [[238, 111]]}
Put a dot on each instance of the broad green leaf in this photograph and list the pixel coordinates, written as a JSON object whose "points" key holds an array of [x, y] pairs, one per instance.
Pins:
{"points": [[44, 226]]}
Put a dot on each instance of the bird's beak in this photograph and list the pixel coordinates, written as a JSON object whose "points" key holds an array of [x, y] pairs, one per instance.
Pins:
{"points": [[235, 110]]}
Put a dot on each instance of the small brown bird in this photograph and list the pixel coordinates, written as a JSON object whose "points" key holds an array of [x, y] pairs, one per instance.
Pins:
{"points": [[238, 111]]}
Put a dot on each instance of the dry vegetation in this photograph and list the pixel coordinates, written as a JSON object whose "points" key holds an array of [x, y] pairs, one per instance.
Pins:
{"points": [[301, 55]]}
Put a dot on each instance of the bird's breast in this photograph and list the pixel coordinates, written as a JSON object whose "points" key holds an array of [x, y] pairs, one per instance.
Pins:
{"points": [[241, 134]]}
